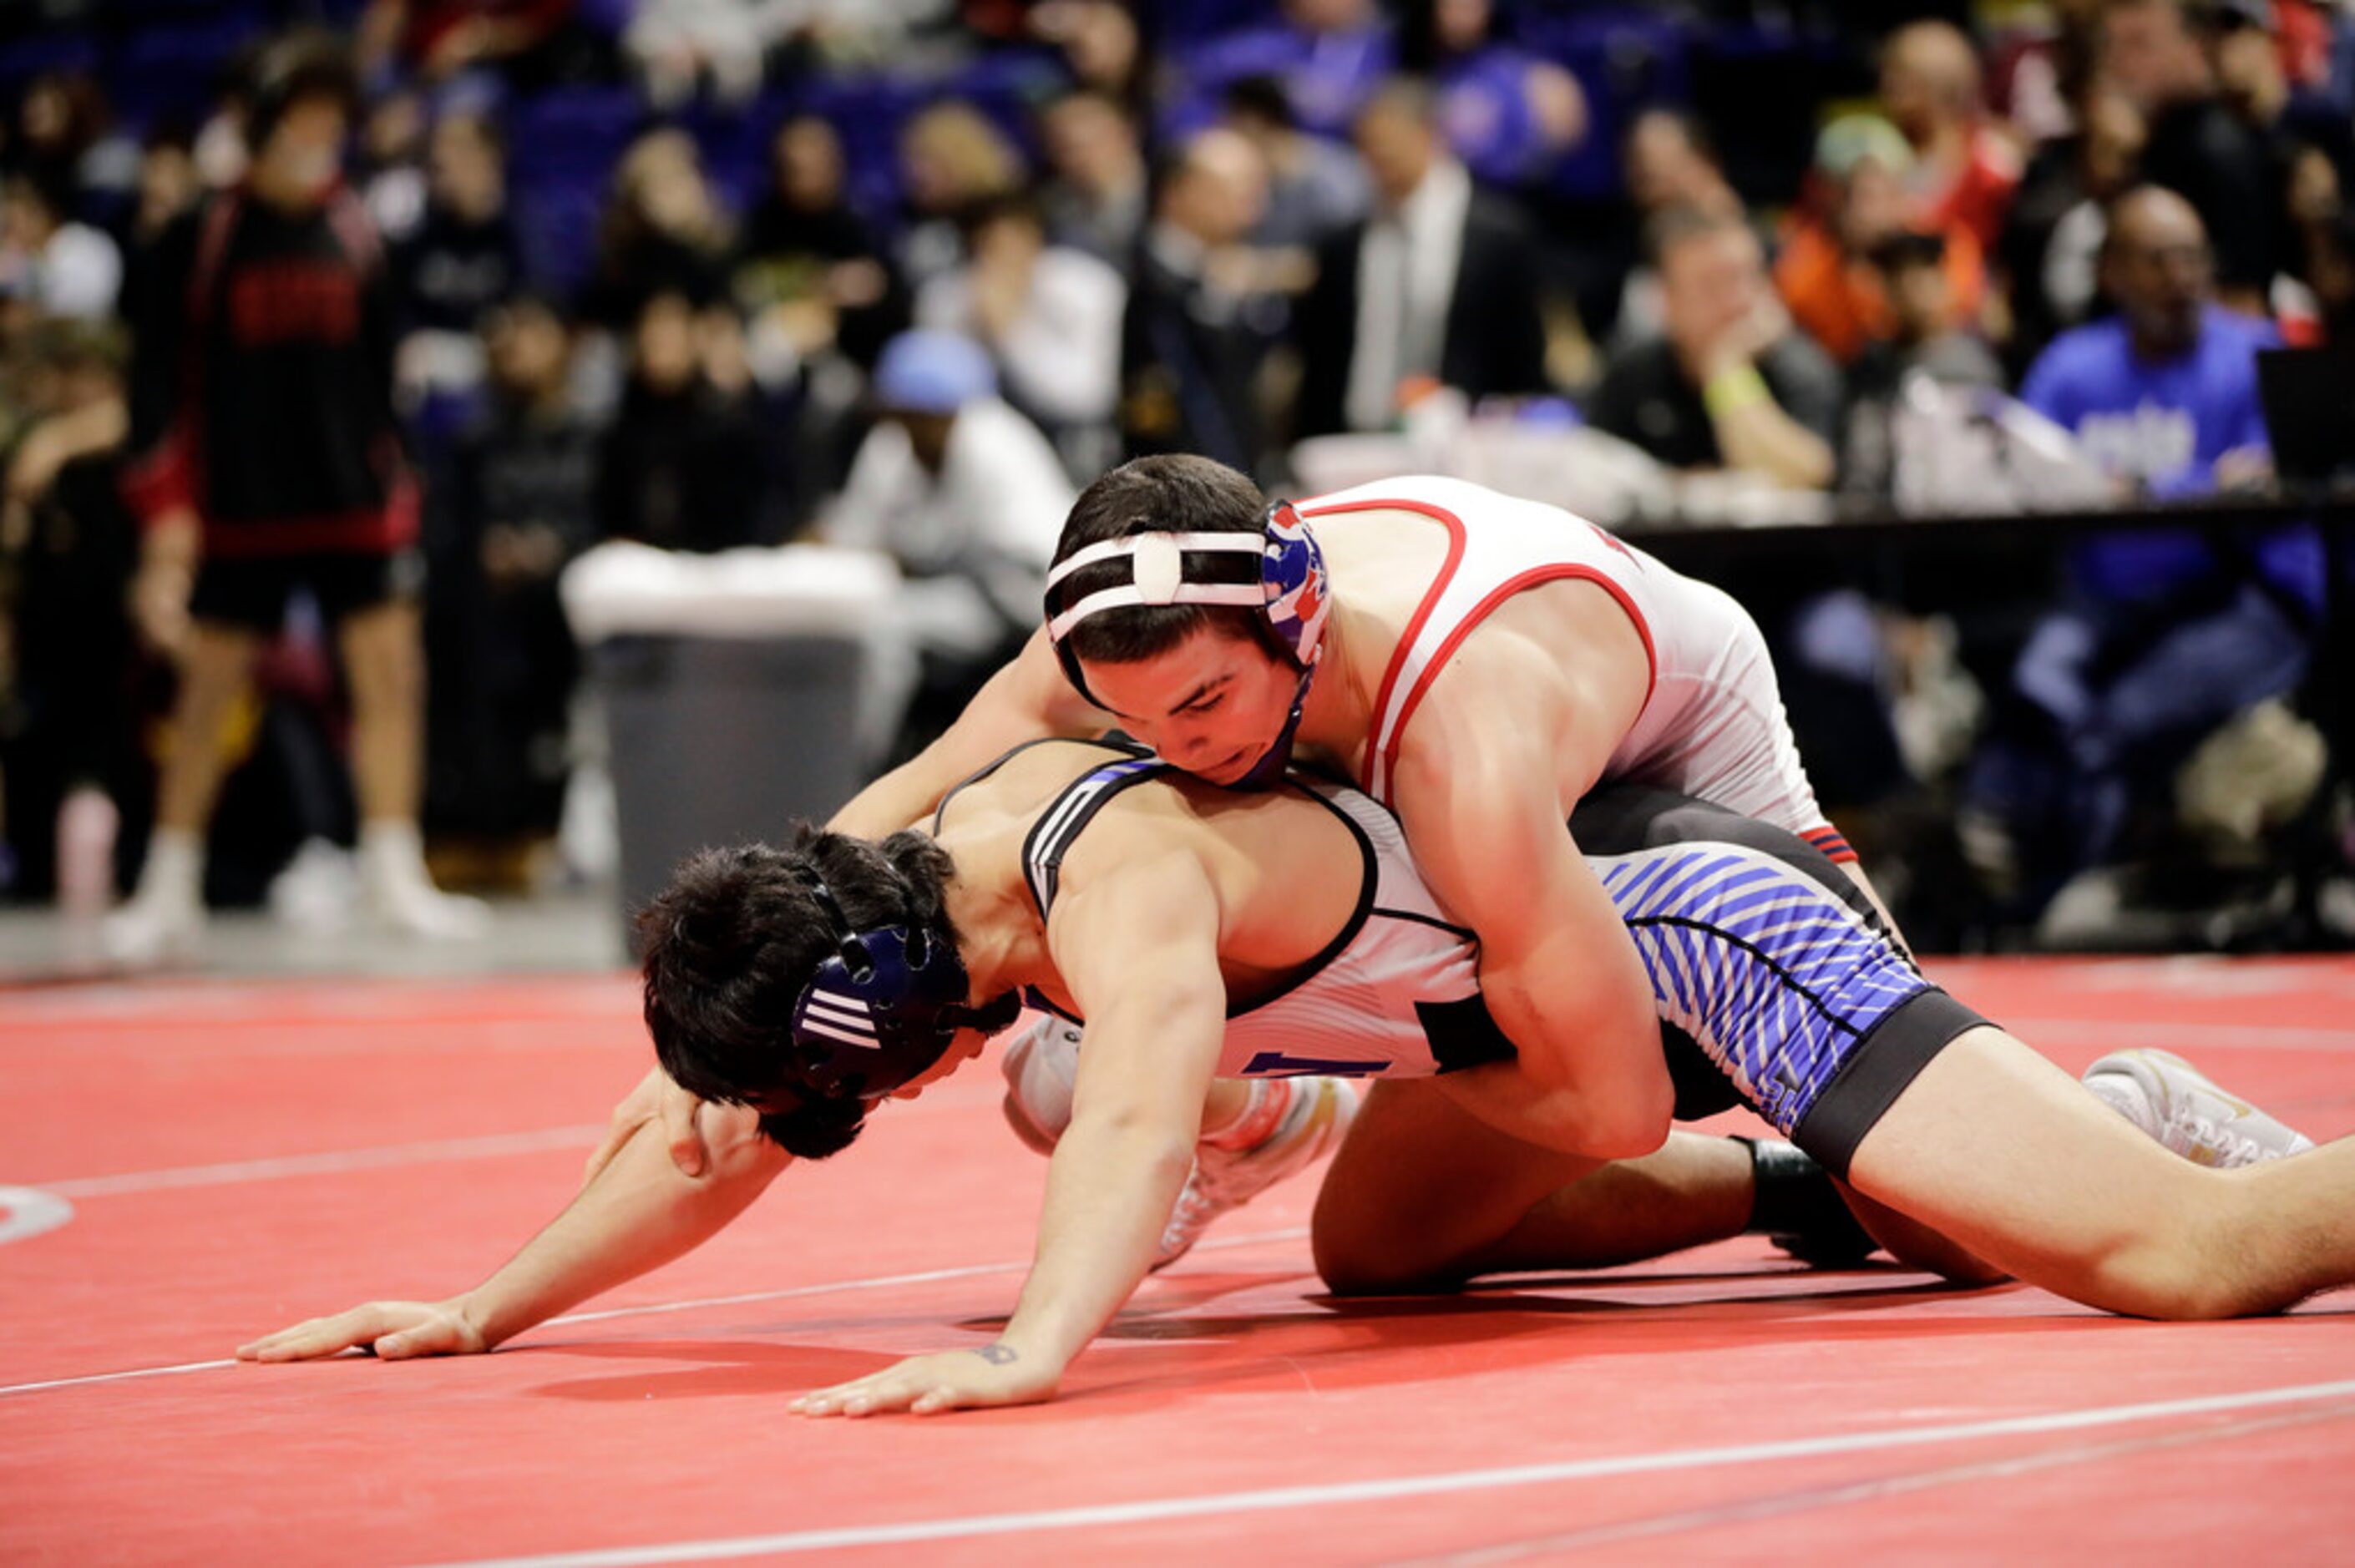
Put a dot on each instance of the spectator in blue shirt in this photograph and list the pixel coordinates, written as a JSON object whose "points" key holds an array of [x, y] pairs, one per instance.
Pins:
{"points": [[1508, 115], [2169, 633], [2163, 394]]}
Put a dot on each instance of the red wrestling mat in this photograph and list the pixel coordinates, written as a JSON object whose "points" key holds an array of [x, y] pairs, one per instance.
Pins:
{"points": [[238, 1157]]}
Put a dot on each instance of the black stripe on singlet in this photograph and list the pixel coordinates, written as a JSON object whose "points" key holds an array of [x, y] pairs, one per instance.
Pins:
{"points": [[1114, 741], [1043, 851]]}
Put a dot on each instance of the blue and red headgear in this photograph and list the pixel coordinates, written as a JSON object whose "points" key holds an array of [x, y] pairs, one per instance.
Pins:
{"points": [[1293, 596], [884, 1006]]}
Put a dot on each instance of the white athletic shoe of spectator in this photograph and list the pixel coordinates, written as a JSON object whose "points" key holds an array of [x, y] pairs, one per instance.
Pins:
{"points": [[164, 920], [1311, 1123], [398, 894], [2183, 1109], [316, 889]]}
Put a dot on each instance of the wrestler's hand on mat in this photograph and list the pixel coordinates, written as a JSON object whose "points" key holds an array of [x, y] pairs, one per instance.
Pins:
{"points": [[656, 1099], [951, 1380], [396, 1330]]}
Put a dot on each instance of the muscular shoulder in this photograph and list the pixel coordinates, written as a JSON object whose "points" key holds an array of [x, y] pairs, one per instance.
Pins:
{"points": [[1550, 682], [1146, 840], [1491, 715], [1280, 874]]}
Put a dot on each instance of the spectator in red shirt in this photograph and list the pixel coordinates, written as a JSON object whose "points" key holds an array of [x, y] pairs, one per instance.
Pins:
{"points": [[1965, 166]]}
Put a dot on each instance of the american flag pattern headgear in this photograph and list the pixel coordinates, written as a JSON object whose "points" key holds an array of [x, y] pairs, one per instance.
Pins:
{"points": [[1292, 575]]}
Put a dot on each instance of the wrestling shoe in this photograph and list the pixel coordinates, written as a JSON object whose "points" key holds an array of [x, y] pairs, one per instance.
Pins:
{"points": [[2179, 1107], [1796, 1207], [1311, 1123]]}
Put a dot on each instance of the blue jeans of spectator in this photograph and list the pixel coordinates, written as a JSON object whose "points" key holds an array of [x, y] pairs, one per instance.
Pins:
{"points": [[2111, 729]]}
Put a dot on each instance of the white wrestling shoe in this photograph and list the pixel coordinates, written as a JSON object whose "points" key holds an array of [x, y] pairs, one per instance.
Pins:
{"points": [[1225, 1179], [2183, 1109]]}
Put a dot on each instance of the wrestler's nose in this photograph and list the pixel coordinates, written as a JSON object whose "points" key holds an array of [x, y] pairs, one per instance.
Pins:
{"points": [[1191, 747]]}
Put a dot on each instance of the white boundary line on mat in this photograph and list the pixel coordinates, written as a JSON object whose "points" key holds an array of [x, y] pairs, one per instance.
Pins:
{"points": [[487, 1146], [1818, 1498], [1343, 1492], [655, 1308]]}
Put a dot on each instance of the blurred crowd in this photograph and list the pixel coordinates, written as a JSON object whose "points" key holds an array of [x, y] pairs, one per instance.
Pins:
{"points": [[411, 301]]}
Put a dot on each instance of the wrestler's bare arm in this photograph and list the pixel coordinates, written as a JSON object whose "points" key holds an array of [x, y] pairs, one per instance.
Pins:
{"points": [[635, 1214], [1137, 943], [1027, 699], [1136, 937], [1479, 786]]}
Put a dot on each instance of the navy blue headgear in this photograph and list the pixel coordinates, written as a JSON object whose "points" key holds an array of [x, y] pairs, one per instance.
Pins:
{"points": [[882, 1007], [1293, 596]]}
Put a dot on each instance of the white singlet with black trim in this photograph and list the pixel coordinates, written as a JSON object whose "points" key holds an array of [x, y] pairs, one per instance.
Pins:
{"points": [[1395, 994], [1776, 982], [1713, 725]]}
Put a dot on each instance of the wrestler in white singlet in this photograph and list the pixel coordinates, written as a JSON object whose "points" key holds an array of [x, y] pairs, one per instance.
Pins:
{"points": [[1712, 725]]}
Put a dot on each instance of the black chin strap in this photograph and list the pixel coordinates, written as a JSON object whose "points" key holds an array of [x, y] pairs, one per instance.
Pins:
{"points": [[990, 1017], [1268, 771]]}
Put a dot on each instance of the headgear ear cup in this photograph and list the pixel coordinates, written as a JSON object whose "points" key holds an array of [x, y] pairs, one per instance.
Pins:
{"points": [[1292, 575], [883, 1007]]}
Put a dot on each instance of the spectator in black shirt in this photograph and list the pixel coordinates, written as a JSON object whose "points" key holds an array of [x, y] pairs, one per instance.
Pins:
{"points": [[462, 259], [1095, 196], [1730, 383], [2198, 147], [808, 269], [663, 232], [2053, 236], [1193, 338], [683, 467], [522, 506], [268, 460], [1441, 281]]}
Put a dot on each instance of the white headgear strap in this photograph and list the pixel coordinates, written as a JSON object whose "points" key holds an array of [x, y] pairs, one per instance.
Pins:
{"points": [[1157, 575]]}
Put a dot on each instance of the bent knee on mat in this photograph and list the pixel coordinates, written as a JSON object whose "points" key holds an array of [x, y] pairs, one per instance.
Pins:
{"points": [[1367, 1273]]}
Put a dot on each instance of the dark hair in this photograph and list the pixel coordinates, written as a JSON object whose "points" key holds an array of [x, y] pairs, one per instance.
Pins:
{"points": [[1177, 493], [1260, 97], [306, 64], [52, 188], [1909, 248], [1006, 206], [729, 946], [1419, 51]]}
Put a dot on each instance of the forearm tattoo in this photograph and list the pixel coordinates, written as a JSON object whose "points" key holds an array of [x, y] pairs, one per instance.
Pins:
{"points": [[999, 1355]]}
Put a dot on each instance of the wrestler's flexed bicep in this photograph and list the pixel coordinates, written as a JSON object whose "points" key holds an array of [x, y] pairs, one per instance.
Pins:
{"points": [[1481, 804]]}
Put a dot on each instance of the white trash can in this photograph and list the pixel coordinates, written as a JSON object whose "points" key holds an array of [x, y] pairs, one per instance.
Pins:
{"points": [[740, 690]]}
